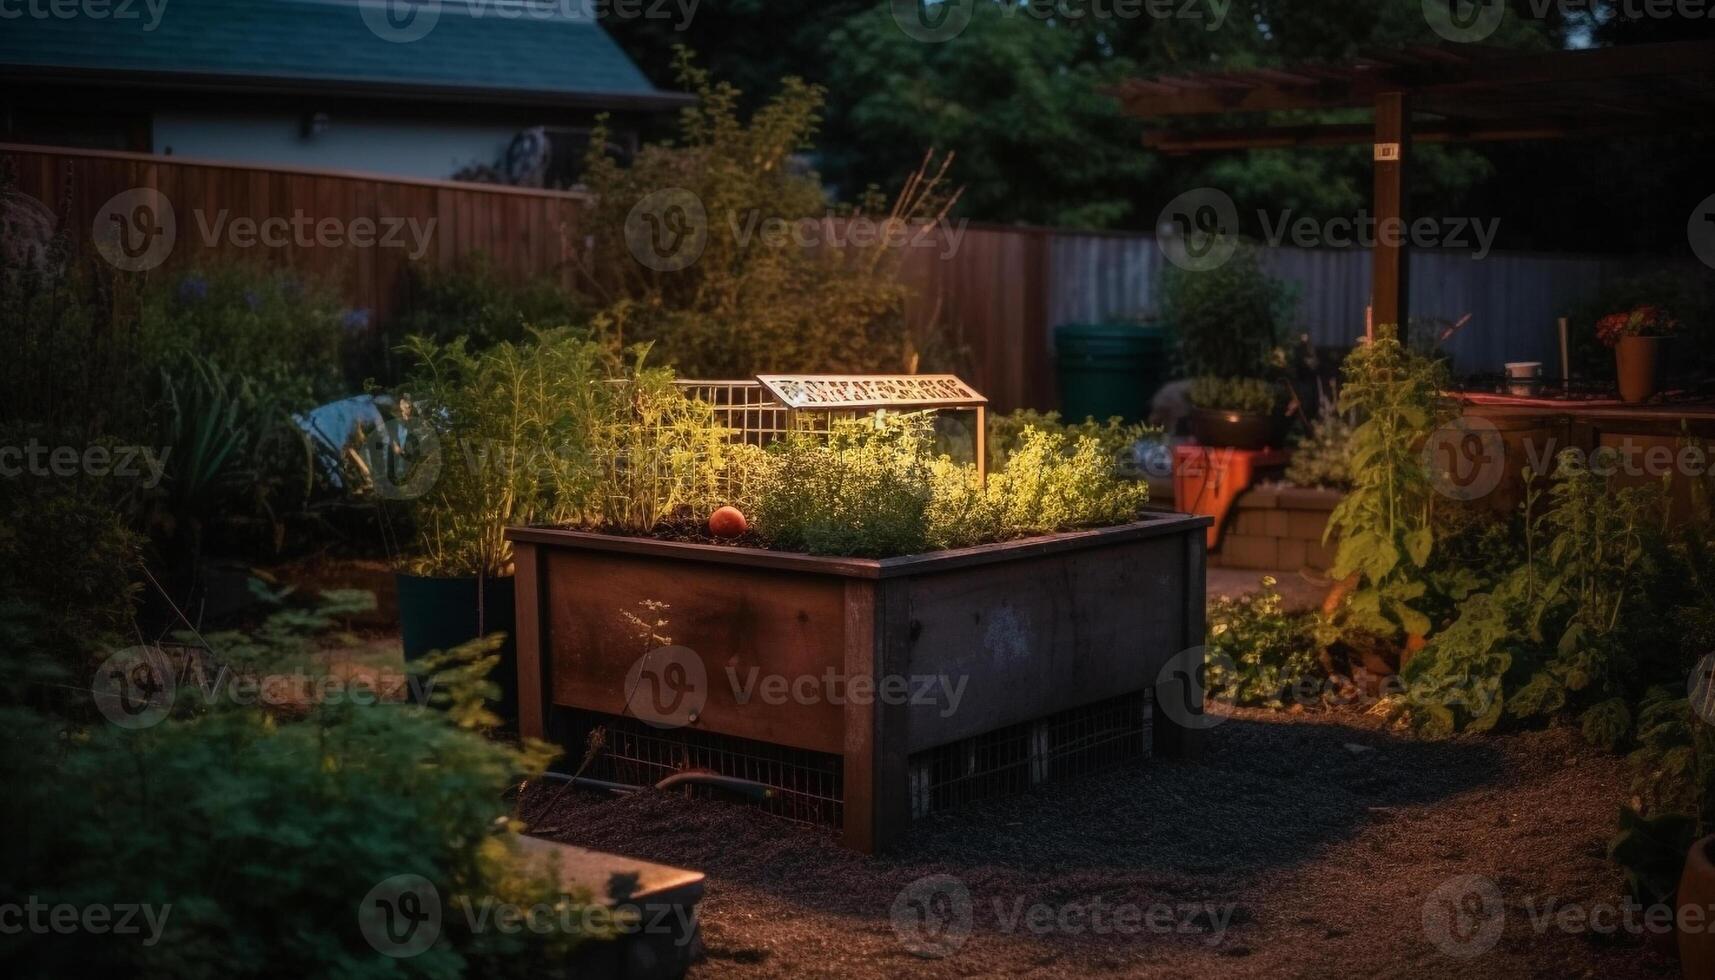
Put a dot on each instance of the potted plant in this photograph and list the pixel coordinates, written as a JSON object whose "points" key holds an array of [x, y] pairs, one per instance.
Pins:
{"points": [[485, 440], [1635, 335], [1665, 844], [1239, 413]]}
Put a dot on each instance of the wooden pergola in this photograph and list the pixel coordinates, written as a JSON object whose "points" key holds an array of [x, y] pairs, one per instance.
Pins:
{"points": [[1435, 94]]}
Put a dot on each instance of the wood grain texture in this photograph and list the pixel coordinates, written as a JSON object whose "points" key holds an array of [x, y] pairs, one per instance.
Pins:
{"points": [[741, 622], [459, 218]]}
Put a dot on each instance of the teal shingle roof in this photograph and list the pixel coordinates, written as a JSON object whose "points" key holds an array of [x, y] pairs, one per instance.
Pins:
{"points": [[489, 47]]}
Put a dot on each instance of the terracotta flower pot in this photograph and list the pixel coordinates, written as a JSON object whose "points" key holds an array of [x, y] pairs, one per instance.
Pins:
{"points": [[1697, 890], [1636, 360]]}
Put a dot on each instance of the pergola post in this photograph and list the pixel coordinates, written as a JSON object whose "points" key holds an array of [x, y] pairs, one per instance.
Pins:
{"points": [[1391, 256]]}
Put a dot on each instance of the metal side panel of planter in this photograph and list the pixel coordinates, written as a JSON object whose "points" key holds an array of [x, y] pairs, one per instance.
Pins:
{"points": [[1029, 628]]}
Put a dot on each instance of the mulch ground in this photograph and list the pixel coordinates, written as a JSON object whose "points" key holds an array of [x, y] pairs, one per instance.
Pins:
{"points": [[1300, 846]]}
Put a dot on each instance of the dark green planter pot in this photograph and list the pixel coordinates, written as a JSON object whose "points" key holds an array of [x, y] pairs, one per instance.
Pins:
{"points": [[1109, 369], [1237, 430], [441, 613]]}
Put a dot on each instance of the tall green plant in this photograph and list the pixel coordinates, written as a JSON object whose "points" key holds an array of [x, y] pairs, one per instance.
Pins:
{"points": [[501, 436], [1386, 523]]}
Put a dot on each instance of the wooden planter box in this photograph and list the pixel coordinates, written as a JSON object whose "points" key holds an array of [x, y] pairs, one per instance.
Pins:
{"points": [[1036, 627]]}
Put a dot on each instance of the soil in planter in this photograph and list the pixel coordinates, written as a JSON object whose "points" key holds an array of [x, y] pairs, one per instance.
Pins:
{"points": [[686, 530]]}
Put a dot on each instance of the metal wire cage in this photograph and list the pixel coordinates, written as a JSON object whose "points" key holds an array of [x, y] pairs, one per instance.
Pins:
{"points": [[767, 408]]}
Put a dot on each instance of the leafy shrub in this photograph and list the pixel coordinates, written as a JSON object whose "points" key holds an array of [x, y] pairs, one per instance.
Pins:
{"points": [[475, 300], [1256, 651], [295, 811], [58, 616], [284, 332], [1253, 395], [1229, 321], [76, 362], [749, 304], [295, 819], [1548, 636]]}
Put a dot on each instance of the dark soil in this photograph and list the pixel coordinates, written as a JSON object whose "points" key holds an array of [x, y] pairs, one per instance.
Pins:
{"points": [[688, 530], [1322, 836]]}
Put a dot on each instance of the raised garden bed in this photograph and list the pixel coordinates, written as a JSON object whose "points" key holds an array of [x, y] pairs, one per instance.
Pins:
{"points": [[1058, 641]]}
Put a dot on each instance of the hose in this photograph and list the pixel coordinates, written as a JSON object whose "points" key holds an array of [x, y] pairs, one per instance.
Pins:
{"points": [[704, 777], [690, 777]]}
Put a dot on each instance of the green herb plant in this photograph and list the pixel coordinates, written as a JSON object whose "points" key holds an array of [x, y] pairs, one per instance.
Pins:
{"points": [[1251, 395], [503, 436], [875, 487]]}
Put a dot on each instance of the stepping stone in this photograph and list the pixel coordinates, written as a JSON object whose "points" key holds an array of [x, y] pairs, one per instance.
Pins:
{"points": [[665, 939]]}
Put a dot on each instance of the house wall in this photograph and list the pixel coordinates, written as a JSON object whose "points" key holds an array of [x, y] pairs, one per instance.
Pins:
{"points": [[403, 147]]}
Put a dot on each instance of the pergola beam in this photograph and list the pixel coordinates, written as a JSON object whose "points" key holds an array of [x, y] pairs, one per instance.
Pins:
{"points": [[1425, 72], [1347, 134]]}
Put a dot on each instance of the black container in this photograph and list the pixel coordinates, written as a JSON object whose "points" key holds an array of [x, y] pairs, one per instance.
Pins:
{"points": [[1237, 430], [441, 613]]}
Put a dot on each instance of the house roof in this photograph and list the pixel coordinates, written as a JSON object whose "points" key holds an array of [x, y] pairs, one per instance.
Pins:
{"points": [[501, 52]]}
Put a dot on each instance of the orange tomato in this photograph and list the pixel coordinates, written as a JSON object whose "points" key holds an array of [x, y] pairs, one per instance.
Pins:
{"points": [[727, 522]]}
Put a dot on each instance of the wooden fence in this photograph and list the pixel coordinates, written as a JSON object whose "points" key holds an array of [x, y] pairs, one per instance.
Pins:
{"points": [[997, 290], [378, 224]]}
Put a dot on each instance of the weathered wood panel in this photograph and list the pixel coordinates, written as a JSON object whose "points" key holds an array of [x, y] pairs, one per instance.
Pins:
{"points": [[1039, 636], [530, 233], [736, 620]]}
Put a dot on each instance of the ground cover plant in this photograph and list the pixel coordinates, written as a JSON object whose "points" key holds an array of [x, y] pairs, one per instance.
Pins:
{"points": [[1258, 652]]}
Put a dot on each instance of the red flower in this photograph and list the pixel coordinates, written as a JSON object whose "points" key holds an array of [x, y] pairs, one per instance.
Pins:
{"points": [[1645, 321]]}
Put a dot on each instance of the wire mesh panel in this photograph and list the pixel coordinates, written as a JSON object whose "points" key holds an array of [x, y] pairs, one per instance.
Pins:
{"points": [[745, 407], [1009, 761], [765, 410], [806, 787]]}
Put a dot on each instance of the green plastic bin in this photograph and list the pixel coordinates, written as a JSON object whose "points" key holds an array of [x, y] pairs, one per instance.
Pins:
{"points": [[1109, 369]]}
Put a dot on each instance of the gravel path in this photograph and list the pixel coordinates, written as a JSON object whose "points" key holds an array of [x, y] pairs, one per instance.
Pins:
{"points": [[1301, 846]]}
